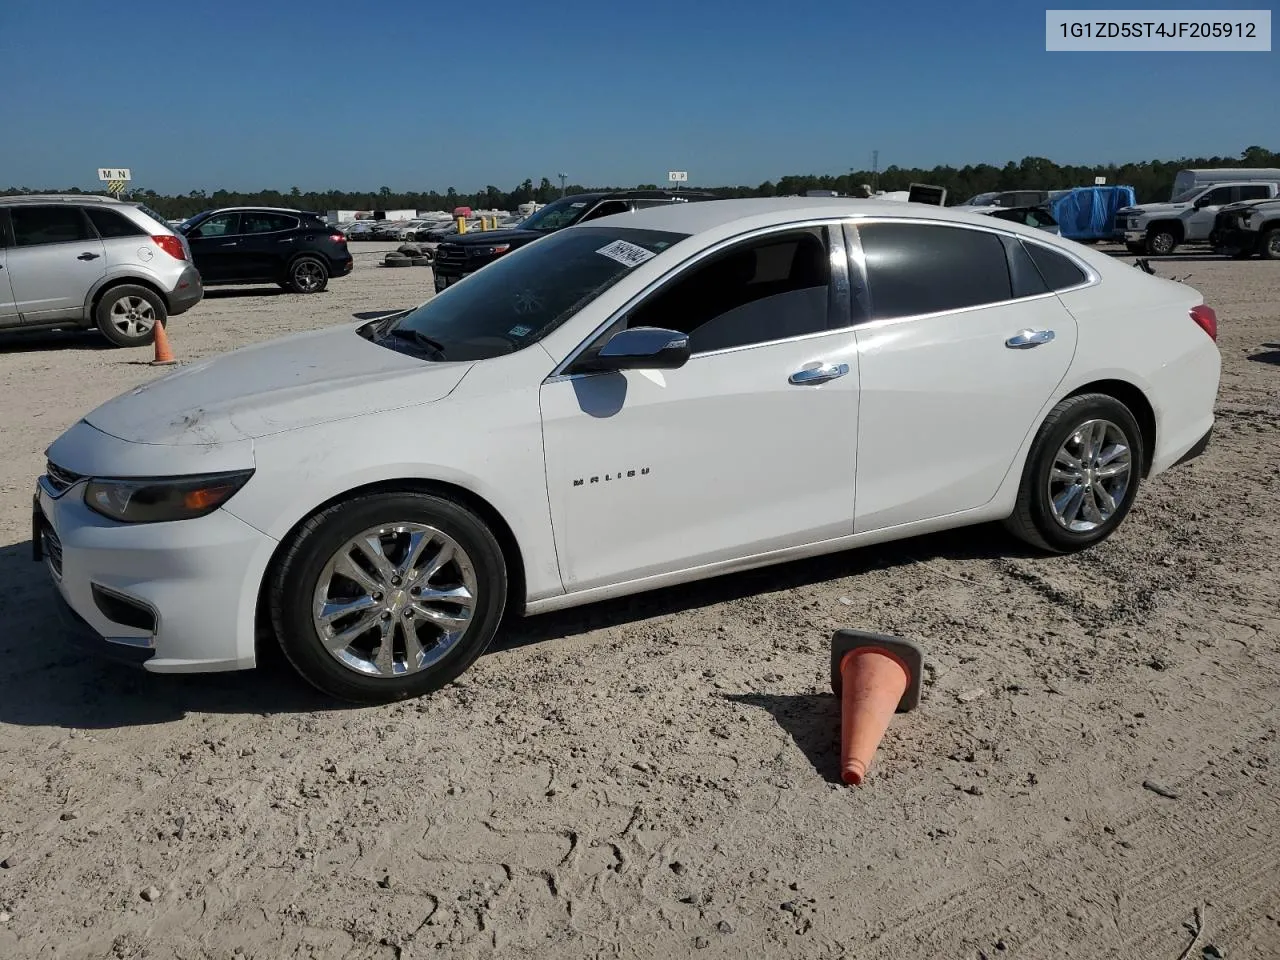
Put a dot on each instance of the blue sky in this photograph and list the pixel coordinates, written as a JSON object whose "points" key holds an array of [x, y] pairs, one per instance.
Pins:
{"points": [[419, 95]]}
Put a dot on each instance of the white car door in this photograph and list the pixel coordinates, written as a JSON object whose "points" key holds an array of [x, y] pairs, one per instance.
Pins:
{"points": [[965, 344], [747, 448]]}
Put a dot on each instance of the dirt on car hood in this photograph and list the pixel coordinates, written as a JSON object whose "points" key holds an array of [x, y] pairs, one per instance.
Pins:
{"points": [[280, 385]]}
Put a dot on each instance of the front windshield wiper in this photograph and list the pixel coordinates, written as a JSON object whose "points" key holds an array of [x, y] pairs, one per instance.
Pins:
{"points": [[421, 339]]}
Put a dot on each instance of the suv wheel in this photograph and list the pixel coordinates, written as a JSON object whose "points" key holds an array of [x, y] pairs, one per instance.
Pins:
{"points": [[307, 275], [127, 315], [1161, 241], [1270, 244]]}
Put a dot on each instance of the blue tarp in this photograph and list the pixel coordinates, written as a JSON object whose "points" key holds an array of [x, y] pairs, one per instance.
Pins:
{"points": [[1089, 213]]}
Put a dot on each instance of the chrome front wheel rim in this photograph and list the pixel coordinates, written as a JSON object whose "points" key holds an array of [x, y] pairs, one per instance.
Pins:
{"points": [[395, 600], [1090, 476], [308, 275], [133, 316]]}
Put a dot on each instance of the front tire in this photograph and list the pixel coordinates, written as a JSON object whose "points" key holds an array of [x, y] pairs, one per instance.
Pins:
{"points": [[1269, 244], [1161, 242], [388, 596], [127, 315], [1081, 475], [307, 275]]}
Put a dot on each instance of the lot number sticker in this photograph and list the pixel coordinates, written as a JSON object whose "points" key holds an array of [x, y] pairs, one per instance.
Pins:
{"points": [[627, 254]]}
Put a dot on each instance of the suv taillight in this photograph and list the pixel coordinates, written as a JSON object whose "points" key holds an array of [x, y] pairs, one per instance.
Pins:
{"points": [[170, 245], [337, 238], [1207, 320]]}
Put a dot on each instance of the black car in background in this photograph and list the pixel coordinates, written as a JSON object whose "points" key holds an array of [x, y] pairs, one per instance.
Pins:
{"points": [[242, 245], [466, 253]]}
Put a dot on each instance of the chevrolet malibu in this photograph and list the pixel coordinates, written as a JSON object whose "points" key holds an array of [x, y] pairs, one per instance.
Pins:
{"points": [[647, 399]]}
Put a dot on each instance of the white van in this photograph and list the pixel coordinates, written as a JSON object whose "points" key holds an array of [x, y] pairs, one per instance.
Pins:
{"points": [[1188, 181]]}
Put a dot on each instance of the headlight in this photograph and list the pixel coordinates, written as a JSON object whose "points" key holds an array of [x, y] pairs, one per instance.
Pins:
{"points": [[163, 499]]}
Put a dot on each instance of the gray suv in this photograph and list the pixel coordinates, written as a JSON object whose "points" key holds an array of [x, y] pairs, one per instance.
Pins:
{"points": [[86, 261]]}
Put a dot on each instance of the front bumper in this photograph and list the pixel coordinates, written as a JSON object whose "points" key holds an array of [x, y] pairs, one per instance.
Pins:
{"points": [[173, 597], [188, 291], [1234, 238]]}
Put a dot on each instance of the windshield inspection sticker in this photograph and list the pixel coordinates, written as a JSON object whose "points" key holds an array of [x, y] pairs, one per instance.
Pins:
{"points": [[520, 331], [627, 254]]}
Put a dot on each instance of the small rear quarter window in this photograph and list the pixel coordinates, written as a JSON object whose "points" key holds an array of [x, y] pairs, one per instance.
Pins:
{"points": [[1058, 270]]}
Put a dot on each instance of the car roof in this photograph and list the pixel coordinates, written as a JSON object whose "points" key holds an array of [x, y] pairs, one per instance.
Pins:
{"points": [[642, 195], [63, 198], [266, 209], [693, 218]]}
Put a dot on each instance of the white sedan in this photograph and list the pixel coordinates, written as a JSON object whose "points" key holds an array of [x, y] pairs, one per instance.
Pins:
{"points": [[642, 400]]}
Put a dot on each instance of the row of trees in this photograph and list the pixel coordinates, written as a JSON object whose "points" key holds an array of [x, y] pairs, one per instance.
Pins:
{"points": [[1152, 180]]}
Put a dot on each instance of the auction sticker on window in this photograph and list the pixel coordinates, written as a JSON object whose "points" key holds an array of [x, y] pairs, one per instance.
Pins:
{"points": [[627, 254]]}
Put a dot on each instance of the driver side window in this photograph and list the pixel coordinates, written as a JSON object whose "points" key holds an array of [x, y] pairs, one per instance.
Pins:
{"points": [[1216, 197], [772, 288]]}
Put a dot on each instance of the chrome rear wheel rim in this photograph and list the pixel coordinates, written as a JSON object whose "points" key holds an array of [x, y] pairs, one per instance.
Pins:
{"points": [[133, 316], [1089, 477], [395, 600]]}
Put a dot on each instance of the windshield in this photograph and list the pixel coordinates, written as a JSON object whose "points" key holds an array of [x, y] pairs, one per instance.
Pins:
{"points": [[519, 299], [556, 216], [1186, 196], [981, 200]]}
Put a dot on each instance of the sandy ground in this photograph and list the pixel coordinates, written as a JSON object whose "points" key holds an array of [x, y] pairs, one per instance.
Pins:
{"points": [[656, 777]]}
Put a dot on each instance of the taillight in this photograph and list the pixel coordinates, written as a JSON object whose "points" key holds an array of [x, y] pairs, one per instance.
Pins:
{"points": [[170, 245], [337, 238], [1207, 320]]}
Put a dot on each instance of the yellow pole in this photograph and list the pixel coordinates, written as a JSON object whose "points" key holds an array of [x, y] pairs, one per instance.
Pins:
{"points": [[462, 225]]}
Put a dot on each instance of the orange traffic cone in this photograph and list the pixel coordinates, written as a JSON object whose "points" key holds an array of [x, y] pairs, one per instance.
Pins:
{"points": [[164, 354], [874, 676]]}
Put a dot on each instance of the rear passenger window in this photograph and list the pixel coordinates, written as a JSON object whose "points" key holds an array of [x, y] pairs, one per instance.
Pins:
{"points": [[915, 268], [33, 226], [1058, 271], [1258, 191], [112, 225], [252, 222], [770, 289]]}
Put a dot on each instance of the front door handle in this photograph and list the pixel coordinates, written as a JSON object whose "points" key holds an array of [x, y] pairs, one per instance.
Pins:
{"points": [[231, 244], [1026, 339], [88, 256], [818, 373]]}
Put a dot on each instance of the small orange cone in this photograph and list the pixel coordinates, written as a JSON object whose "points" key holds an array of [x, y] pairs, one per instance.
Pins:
{"points": [[164, 354], [875, 677]]}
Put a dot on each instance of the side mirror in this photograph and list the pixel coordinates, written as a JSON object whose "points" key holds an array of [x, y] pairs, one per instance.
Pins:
{"points": [[642, 348]]}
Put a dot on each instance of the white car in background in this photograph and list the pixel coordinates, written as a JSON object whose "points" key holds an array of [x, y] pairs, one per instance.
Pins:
{"points": [[638, 401]]}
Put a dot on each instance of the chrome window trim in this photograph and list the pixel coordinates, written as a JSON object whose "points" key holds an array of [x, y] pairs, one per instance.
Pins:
{"points": [[558, 374], [1092, 277]]}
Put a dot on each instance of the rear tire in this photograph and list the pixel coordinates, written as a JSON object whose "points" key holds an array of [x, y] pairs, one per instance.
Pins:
{"points": [[1100, 434], [432, 634], [307, 275], [126, 315]]}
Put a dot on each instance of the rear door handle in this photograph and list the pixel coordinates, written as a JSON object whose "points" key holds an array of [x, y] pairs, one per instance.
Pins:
{"points": [[1026, 339], [88, 256], [231, 244], [818, 373]]}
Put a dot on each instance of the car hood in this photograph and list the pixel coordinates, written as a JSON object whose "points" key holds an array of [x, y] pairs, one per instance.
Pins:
{"points": [[280, 385], [1247, 204], [487, 238]]}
